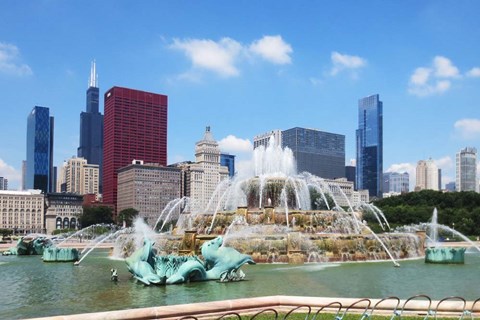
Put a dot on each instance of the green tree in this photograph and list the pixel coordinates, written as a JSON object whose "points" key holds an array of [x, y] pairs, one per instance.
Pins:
{"points": [[459, 209], [6, 232], [127, 215], [96, 215], [317, 201]]}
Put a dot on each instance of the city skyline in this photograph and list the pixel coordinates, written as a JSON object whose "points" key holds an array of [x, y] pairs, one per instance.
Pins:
{"points": [[246, 68]]}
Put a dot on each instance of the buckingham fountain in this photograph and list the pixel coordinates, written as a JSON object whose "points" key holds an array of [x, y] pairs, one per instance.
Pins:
{"points": [[277, 216]]}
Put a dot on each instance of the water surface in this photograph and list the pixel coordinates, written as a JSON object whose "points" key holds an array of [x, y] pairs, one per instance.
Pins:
{"points": [[32, 288]]}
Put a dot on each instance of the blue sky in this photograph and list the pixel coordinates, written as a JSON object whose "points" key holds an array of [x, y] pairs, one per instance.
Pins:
{"points": [[246, 67]]}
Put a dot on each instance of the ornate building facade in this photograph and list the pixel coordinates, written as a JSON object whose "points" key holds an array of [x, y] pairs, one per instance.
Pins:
{"points": [[204, 176], [22, 211]]}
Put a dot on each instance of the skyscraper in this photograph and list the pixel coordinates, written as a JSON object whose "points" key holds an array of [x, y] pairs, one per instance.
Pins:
{"points": [[3, 183], [370, 145], [318, 152], [264, 139], [39, 169], [395, 182], [135, 127], [466, 170], [91, 126], [427, 175], [206, 173], [78, 177], [228, 160]]}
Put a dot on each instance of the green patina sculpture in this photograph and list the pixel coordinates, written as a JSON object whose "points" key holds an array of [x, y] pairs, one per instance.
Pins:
{"points": [[29, 245], [221, 263], [54, 254], [445, 255], [39, 245]]}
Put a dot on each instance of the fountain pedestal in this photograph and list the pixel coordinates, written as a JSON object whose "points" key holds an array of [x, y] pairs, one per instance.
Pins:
{"points": [[447, 255], [296, 257], [54, 254], [188, 242], [269, 215]]}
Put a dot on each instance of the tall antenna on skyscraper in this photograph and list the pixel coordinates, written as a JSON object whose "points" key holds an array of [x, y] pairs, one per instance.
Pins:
{"points": [[93, 76]]}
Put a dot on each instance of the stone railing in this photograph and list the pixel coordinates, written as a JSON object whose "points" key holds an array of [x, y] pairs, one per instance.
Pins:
{"points": [[281, 307]]}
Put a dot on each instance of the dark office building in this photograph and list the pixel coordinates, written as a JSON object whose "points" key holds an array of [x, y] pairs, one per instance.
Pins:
{"points": [[91, 127], [320, 153], [39, 169], [228, 160], [135, 127], [350, 172], [370, 146]]}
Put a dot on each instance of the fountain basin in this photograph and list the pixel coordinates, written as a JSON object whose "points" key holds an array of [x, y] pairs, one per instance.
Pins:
{"points": [[55, 254], [265, 246], [447, 255]]}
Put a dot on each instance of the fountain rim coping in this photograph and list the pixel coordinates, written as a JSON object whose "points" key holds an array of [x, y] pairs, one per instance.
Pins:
{"points": [[250, 305]]}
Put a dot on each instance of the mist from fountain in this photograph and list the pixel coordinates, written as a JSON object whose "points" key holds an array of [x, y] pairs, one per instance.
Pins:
{"points": [[169, 208], [168, 218], [377, 213], [434, 228], [81, 232], [395, 263], [455, 232]]}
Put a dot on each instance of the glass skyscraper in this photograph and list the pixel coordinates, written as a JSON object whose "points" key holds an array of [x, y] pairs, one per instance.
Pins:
{"points": [[228, 160], [91, 127], [320, 153], [39, 169], [370, 145], [466, 170]]}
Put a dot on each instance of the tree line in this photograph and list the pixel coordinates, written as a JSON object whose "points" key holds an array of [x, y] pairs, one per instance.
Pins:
{"points": [[458, 210]]}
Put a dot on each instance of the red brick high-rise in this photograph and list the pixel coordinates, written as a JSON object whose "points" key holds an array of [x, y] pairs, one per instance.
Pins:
{"points": [[135, 127]]}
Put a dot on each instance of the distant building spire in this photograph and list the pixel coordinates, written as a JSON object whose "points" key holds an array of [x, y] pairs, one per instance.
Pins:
{"points": [[208, 135], [93, 76]]}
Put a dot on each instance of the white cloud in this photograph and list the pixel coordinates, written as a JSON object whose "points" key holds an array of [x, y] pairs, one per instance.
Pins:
{"points": [[7, 171], [444, 68], [243, 151], [234, 145], [10, 61], [224, 56], [420, 76], [273, 49], [474, 72], [402, 167], [445, 163], [219, 57], [468, 128], [345, 62], [436, 79]]}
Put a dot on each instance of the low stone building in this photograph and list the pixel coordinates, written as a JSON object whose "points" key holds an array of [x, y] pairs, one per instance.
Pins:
{"points": [[22, 211], [147, 188], [62, 211]]}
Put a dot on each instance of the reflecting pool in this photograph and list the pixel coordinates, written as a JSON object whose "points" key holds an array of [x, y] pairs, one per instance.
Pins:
{"points": [[32, 288]]}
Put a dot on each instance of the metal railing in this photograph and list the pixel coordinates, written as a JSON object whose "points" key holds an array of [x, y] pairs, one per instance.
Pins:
{"points": [[418, 306]]}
